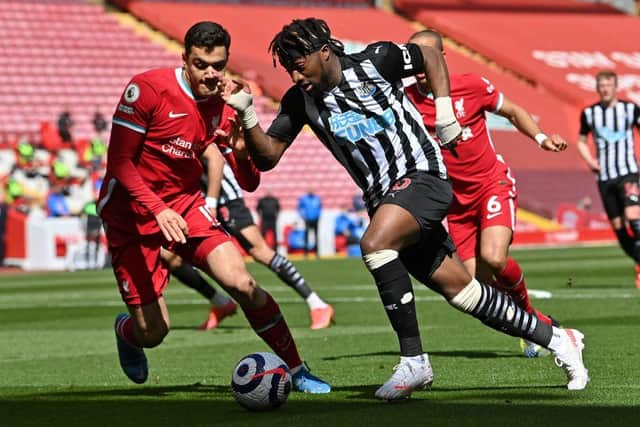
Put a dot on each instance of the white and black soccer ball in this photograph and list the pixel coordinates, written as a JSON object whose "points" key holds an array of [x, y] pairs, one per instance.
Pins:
{"points": [[261, 381]]}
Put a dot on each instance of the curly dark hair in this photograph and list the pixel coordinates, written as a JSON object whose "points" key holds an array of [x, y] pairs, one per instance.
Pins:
{"points": [[300, 38]]}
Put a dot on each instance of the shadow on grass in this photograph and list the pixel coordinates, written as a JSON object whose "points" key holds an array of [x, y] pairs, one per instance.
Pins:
{"points": [[199, 404], [452, 353], [226, 328]]}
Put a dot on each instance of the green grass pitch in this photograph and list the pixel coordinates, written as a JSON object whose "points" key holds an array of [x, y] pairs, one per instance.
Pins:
{"points": [[58, 362]]}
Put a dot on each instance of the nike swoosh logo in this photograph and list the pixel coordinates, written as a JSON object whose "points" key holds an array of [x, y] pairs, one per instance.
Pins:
{"points": [[493, 215], [278, 371], [173, 115]]}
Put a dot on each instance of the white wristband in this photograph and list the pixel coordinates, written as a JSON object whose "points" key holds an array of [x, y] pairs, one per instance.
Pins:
{"points": [[444, 110], [211, 202], [540, 138], [249, 118]]}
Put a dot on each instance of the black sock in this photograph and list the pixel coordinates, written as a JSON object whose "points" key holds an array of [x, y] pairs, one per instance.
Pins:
{"points": [[290, 275], [626, 242], [190, 277], [497, 310], [635, 228], [396, 292]]}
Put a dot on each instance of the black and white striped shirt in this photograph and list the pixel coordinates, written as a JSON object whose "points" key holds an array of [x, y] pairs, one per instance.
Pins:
{"points": [[612, 130], [229, 187], [367, 122]]}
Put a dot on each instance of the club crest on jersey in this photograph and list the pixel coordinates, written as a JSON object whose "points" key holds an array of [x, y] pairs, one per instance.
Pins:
{"points": [[366, 90], [459, 105], [401, 184], [132, 93], [354, 126]]}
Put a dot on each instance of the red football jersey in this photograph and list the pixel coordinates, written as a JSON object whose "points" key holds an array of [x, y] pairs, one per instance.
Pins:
{"points": [[477, 162], [177, 128]]}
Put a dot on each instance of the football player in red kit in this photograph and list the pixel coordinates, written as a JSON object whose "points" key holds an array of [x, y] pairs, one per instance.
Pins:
{"points": [[166, 120], [482, 216]]}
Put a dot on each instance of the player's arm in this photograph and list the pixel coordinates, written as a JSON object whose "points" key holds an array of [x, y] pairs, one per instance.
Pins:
{"points": [[236, 154], [124, 146], [583, 148], [265, 150], [214, 163], [398, 61], [447, 127], [585, 153], [523, 121]]}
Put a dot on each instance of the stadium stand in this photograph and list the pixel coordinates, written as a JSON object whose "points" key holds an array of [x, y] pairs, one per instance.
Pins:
{"points": [[249, 52]]}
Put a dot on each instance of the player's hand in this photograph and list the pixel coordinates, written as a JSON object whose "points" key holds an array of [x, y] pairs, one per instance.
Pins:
{"points": [[173, 226], [234, 138], [448, 129], [238, 95], [554, 143], [594, 165]]}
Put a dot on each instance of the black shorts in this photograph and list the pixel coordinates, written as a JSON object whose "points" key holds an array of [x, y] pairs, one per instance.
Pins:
{"points": [[427, 198], [619, 193], [94, 225], [234, 217]]}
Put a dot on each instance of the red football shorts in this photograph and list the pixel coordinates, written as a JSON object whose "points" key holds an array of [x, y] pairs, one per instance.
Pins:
{"points": [[139, 270], [495, 206]]}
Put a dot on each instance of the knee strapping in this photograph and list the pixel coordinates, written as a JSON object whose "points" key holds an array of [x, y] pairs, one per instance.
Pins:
{"points": [[468, 298], [377, 259]]}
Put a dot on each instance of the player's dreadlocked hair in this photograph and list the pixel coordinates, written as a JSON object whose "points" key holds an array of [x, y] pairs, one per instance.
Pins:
{"points": [[207, 35], [300, 38]]}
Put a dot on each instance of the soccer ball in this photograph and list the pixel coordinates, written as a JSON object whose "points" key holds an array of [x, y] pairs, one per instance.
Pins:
{"points": [[261, 381], [531, 349]]}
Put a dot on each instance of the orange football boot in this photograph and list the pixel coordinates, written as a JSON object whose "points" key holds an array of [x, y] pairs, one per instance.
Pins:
{"points": [[217, 314], [322, 317]]}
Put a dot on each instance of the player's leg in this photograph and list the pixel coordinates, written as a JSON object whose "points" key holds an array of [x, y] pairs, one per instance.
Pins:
{"points": [[262, 312], [221, 305], [141, 279], [316, 237], [435, 263], [307, 227], [391, 229], [215, 254], [405, 215], [612, 197], [631, 204], [321, 313], [616, 196]]}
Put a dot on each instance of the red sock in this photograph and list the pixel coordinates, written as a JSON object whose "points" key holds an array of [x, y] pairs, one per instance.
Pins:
{"points": [[270, 325], [124, 329], [511, 281]]}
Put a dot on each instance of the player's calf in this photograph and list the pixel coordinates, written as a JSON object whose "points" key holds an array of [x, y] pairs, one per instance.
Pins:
{"points": [[498, 311]]}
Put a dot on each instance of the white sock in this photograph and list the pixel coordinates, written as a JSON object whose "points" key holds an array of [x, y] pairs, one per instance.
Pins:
{"points": [[558, 339], [418, 358], [295, 370], [219, 299], [314, 301]]}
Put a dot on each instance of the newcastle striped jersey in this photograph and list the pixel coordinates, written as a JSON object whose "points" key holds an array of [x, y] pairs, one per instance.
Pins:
{"points": [[367, 122], [229, 187], [612, 131]]}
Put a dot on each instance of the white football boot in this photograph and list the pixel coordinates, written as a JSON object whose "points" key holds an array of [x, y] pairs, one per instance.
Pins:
{"points": [[569, 357], [412, 373]]}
